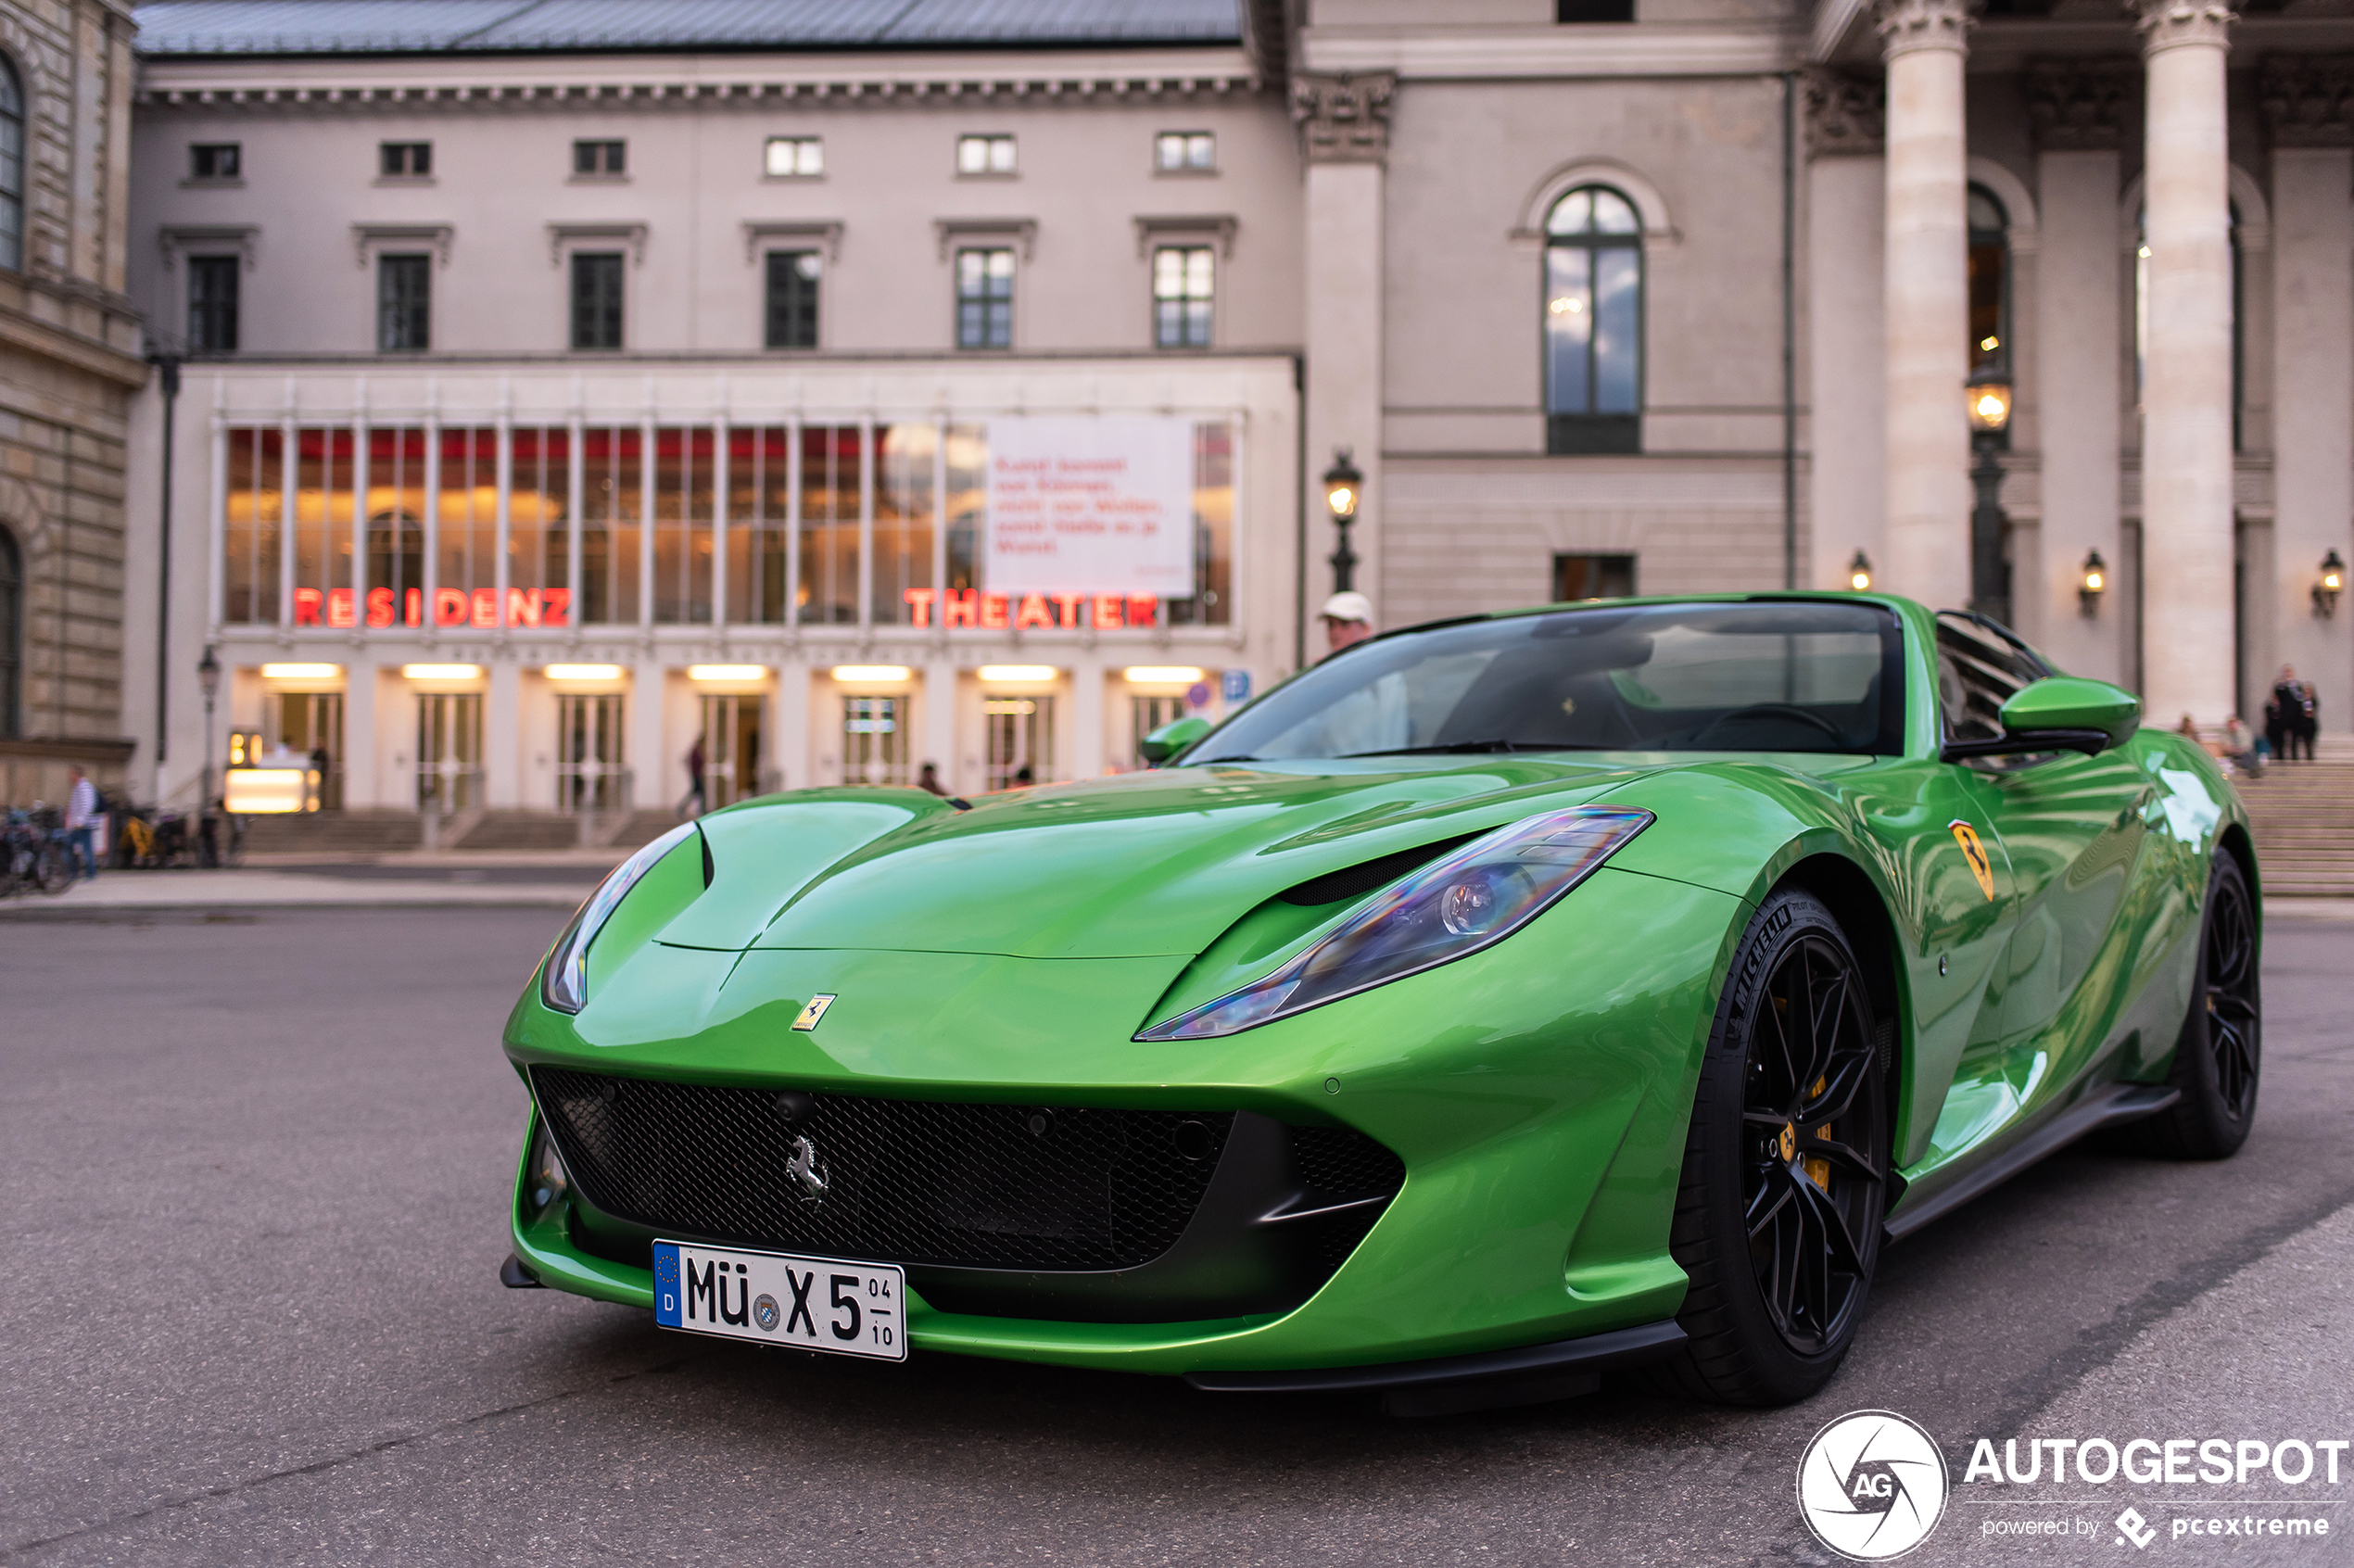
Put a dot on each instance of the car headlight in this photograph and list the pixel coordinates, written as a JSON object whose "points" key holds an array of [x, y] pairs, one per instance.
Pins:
{"points": [[1470, 899], [564, 984]]}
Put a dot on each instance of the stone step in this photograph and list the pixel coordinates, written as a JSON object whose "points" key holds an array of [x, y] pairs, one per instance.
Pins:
{"points": [[521, 830], [335, 832], [643, 827]]}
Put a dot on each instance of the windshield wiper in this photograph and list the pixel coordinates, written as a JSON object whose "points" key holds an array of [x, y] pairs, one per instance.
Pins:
{"points": [[1451, 746]]}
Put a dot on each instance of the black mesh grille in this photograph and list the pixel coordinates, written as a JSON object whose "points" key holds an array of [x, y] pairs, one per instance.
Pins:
{"points": [[1341, 1164], [906, 1181]]}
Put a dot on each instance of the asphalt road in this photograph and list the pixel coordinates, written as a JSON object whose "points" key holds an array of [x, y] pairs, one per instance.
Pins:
{"points": [[254, 1172]]}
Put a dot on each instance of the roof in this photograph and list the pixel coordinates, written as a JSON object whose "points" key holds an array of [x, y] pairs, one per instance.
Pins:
{"points": [[369, 27]]}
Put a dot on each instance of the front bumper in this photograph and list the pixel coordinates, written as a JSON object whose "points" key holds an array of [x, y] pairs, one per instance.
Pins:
{"points": [[1537, 1094]]}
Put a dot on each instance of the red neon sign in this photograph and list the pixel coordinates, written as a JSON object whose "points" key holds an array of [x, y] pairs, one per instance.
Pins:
{"points": [[451, 607], [998, 612]]}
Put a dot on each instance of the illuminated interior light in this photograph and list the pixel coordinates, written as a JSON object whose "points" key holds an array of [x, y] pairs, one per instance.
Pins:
{"points": [[1163, 674], [301, 672], [441, 672], [727, 672], [1019, 672], [583, 672], [870, 674]]}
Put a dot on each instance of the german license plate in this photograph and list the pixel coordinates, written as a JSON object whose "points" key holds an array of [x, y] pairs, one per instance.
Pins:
{"points": [[777, 1298]]}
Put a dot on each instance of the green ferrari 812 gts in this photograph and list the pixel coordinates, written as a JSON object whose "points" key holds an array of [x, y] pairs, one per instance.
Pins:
{"points": [[1495, 1003]]}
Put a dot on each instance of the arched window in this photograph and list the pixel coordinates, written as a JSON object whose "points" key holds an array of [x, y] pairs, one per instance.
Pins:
{"points": [[1593, 323], [11, 636], [11, 167], [1990, 287]]}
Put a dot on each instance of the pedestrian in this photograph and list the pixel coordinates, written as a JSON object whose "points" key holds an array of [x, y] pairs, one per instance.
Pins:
{"points": [[319, 776], [2308, 715], [2284, 713], [694, 794], [1024, 778], [1349, 620], [2241, 748], [2188, 728], [82, 817], [928, 778]]}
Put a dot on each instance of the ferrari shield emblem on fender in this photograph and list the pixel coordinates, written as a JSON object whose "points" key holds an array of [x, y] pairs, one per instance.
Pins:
{"points": [[1972, 850], [819, 1004]]}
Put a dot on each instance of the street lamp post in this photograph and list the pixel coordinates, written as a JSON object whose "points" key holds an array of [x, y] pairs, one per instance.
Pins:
{"points": [[208, 677], [1343, 488], [1990, 418]]}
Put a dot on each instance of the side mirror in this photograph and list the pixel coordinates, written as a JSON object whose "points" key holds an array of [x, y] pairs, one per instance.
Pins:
{"points": [[1171, 738], [2059, 714]]}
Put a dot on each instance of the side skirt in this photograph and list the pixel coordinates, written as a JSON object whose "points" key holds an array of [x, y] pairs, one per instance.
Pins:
{"points": [[2112, 1106], [1533, 1374]]}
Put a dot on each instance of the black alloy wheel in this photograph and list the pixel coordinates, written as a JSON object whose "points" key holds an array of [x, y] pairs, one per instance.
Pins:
{"points": [[1778, 1217], [2219, 1056]]}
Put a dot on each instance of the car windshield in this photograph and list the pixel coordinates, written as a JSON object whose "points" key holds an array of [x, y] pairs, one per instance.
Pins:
{"points": [[1763, 675]]}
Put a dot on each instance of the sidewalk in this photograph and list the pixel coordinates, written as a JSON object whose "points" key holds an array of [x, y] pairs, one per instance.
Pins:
{"points": [[384, 884]]}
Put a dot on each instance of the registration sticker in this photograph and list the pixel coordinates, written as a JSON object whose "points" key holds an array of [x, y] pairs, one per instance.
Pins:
{"points": [[834, 1304]]}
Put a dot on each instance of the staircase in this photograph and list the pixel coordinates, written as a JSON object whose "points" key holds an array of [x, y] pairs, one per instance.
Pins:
{"points": [[521, 830], [642, 828], [335, 833], [2304, 818]]}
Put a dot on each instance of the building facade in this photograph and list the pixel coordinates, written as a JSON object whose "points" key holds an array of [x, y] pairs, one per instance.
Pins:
{"points": [[69, 363], [553, 397]]}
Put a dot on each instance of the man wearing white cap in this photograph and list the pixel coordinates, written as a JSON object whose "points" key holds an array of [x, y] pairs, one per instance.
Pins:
{"points": [[1349, 620]]}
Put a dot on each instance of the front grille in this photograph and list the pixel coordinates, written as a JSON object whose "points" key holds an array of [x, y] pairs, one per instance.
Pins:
{"points": [[1341, 1165], [983, 1186]]}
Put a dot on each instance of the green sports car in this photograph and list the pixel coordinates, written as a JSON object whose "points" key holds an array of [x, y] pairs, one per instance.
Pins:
{"points": [[1494, 1003]]}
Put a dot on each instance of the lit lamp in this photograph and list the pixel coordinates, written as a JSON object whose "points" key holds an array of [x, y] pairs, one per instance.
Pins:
{"points": [[2093, 583], [1859, 573], [2332, 584], [209, 677], [1990, 418], [1343, 489]]}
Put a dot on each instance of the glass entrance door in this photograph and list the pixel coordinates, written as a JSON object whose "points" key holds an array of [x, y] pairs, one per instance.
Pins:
{"points": [[1022, 740], [310, 724], [448, 752], [589, 775], [1150, 714], [874, 740], [730, 749]]}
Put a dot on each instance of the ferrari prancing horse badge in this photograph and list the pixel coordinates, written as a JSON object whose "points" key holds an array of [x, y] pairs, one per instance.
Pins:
{"points": [[819, 1004], [1975, 852]]}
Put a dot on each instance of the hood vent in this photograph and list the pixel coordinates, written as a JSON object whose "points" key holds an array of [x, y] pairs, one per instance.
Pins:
{"points": [[1356, 881]]}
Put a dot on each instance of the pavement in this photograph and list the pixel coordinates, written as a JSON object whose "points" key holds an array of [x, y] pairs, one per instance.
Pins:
{"points": [[550, 878], [255, 1167]]}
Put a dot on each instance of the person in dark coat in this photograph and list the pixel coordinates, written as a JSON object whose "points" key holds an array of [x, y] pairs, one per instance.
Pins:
{"points": [[2283, 712]]}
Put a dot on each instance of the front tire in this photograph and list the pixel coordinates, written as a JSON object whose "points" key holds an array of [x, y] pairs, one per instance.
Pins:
{"points": [[2220, 1051], [1785, 1180]]}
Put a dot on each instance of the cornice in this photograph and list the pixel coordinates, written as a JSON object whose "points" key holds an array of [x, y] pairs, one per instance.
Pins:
{"points": [[1549, 51], [537, 84], [24, 332], [2308, 102]]}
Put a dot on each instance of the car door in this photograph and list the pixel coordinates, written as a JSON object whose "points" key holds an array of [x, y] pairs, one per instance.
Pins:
{"points": [[2071, 830]]}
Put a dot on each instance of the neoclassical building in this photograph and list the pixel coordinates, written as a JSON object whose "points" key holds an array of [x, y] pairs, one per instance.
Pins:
{"points": [[69, 363], [561, 383]]}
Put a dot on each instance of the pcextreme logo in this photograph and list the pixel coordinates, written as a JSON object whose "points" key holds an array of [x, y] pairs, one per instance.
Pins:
{"points": [[1871, 1486]]}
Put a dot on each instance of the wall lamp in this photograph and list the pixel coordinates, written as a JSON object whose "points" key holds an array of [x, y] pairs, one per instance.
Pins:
{"points": [[1859, 573], [2093, 583], [2332, 584]]}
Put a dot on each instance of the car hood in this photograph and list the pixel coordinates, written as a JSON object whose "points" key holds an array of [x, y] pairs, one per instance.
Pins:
{"points": [[1142, 865]]}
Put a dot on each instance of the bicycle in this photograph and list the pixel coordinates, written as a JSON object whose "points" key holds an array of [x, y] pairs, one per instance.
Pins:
{"points": [[33, 856]]}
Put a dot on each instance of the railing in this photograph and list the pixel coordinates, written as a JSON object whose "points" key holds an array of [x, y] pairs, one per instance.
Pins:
{"points": [[593, 789], [446, 788]]}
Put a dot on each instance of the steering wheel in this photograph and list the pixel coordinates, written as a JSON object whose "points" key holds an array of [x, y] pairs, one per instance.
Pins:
{"points": [[1774, 710]]}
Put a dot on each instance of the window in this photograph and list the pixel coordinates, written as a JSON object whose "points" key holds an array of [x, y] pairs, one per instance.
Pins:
{"points": [[1185, 152], [596, 299], [1020, 749], [11, 637], [600, 157], [795, 158], [792, 298], [216, 160], [985, 155], [252, 526], [1990, 287], [404, 160], [1593, 577], [683, 471], [212, 304], [1594, 11], [1979, 669], [404, 300], [874, 742], [1593, 323], [985, 298], [11, 168], [1181, 280], [613, 510]]}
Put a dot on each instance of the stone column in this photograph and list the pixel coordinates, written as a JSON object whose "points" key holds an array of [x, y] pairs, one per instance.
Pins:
{"points": [[1926, 303], [502, 742], [2186, 367], [1846, 344], [1344, 125], [2308, 115], [2078, 116]]}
